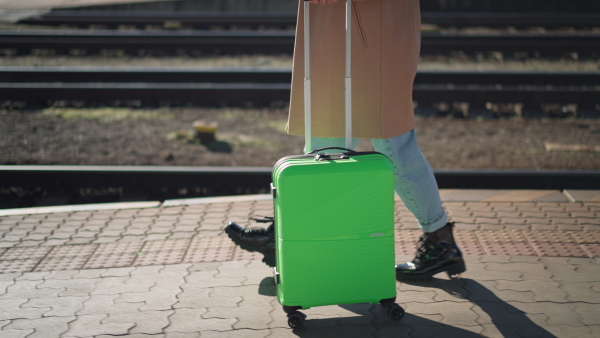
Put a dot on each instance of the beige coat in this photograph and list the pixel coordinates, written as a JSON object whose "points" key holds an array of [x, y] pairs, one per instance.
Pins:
{"points": [[385, 50]]}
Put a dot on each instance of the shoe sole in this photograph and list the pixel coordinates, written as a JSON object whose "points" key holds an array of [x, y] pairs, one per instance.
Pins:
{"points": [[453, 271], [268, 259]]}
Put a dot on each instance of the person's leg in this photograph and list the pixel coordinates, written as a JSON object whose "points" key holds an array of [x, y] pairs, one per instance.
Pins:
{"points": [[415, 184], [255, 240]]}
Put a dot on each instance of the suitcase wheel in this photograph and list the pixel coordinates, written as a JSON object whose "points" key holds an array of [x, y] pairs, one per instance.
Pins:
{"points": [[296, 319], [395, 312]]}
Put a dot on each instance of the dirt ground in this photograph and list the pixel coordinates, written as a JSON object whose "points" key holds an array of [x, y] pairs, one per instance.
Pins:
{"points": [[251, 137]]}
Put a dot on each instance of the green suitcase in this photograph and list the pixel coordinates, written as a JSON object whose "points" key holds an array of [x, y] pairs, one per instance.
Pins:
{"points": [[334, 219], [334, 216]]}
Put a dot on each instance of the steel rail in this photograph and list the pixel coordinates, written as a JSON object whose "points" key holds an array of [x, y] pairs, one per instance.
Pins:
{"points": [[262, 95], [146, 74], [264, 42], [269, 42], [511, 19], [196, 19], [203, 20], [228, 179], [278, 75], [263, 87]]}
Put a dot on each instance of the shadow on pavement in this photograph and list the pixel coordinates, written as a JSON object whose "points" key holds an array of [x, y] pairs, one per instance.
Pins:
{"points": [[509, 321], [267, 287], [503, 315], [410, 325]]}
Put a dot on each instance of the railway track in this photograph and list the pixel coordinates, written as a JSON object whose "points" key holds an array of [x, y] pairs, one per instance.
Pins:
{"points": [[287, 20], [48, 185], [40, 86], [276, 42]]}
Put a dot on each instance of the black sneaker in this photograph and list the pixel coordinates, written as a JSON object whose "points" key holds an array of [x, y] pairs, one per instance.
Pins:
{"points": [[436, 252], [255, 240]]}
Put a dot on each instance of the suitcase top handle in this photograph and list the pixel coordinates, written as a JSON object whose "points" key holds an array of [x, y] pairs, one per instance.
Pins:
{"points": [[337, 156], [327, 148], [319, 156]]}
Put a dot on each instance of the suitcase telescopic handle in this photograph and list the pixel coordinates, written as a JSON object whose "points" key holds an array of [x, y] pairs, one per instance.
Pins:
{"points": [[347, 80]]}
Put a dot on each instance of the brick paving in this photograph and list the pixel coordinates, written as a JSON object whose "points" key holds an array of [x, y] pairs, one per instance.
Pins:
{"points": [[155, 269]]}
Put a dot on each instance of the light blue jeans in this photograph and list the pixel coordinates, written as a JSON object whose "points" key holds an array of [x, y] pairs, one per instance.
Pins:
{"points": [[414, 181]]}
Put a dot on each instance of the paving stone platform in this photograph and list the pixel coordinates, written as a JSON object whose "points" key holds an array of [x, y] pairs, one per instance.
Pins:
{"points": [[151, 269]]}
